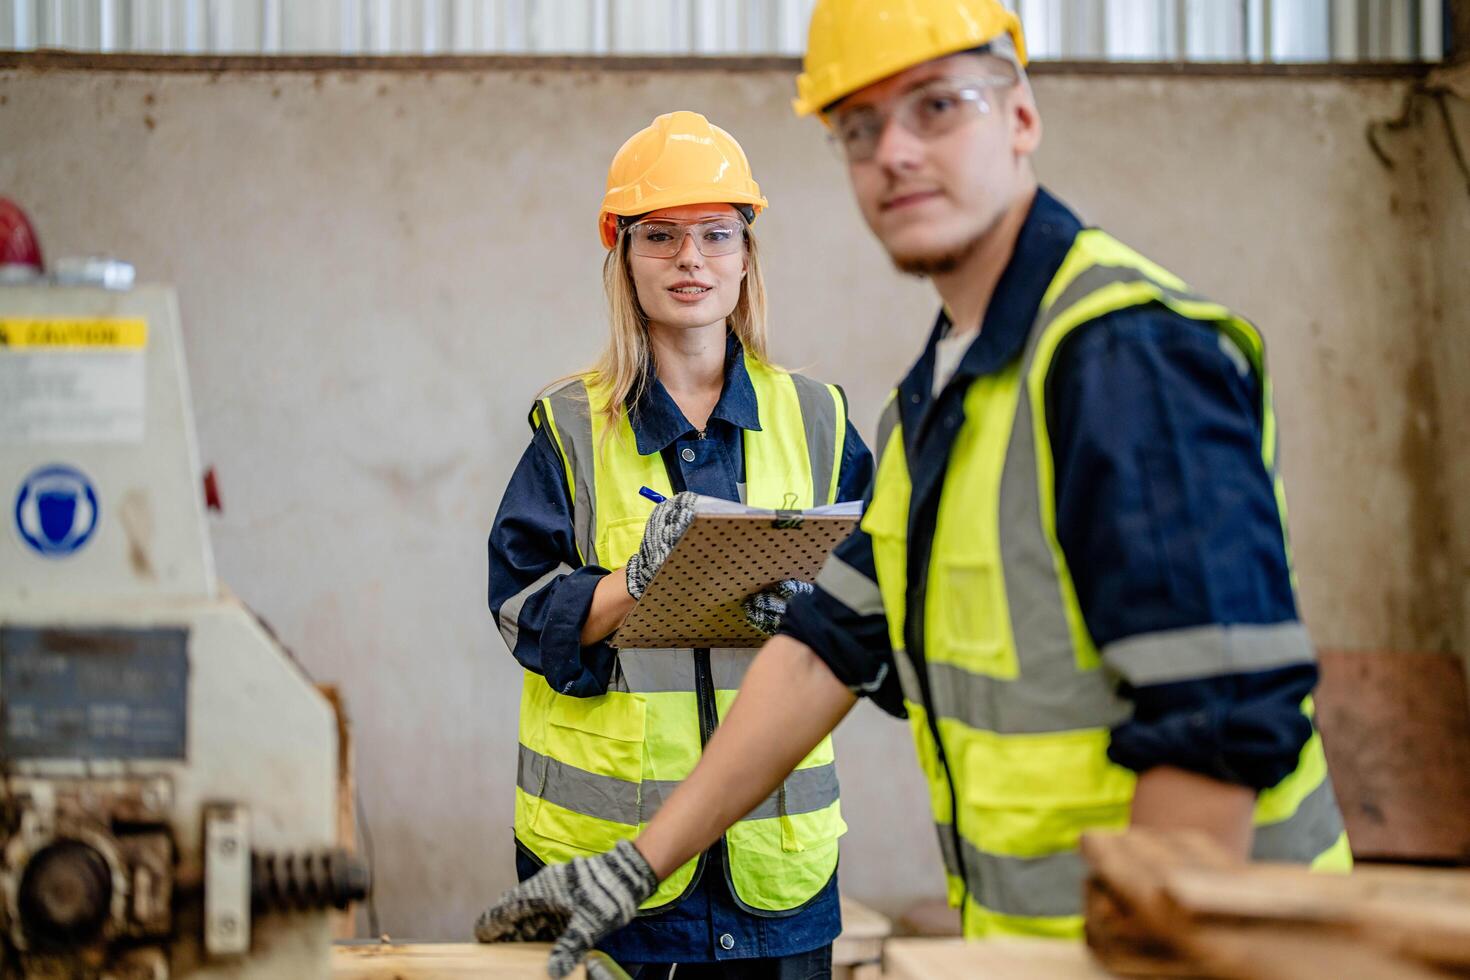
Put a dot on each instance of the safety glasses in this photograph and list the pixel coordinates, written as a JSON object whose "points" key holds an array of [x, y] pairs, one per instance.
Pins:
{"points": [[663, 239], [928, 111]]}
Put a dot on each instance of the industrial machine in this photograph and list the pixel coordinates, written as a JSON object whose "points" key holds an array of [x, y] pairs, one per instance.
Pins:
{"points": [[169, 793]]}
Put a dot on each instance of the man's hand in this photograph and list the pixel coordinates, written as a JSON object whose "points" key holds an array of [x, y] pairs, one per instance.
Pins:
{"points": [[575, 906], [1176, 799], [763, 611], [666, 525]]}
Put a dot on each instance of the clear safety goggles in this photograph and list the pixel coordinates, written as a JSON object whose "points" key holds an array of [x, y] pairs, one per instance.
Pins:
{"points": [[662, 239], [928, 111]]}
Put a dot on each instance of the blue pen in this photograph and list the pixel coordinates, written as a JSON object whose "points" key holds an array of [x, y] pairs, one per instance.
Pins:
{"points": [[653, 495]]}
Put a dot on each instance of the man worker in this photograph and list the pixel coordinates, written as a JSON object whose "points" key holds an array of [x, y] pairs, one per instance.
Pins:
{"points": [[1073, 575]]}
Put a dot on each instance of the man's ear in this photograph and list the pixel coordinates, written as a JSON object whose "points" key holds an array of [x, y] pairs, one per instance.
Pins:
{"points": [[1025, 120]]}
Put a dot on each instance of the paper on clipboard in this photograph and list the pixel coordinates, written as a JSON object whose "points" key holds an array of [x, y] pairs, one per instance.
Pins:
{"points": [[730, 552]]}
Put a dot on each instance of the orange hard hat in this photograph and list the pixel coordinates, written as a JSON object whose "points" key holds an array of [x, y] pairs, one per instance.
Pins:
{"points": [[853, 43], [681, 158]]}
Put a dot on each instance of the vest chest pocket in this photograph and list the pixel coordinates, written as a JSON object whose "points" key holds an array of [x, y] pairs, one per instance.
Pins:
{"points": [[602, 735], [968, 620], [593, 773], [621, 541], [1036, 794]]}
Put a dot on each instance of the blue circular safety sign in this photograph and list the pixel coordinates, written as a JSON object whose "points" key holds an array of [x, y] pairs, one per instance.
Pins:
{"points": [[56, 510]]}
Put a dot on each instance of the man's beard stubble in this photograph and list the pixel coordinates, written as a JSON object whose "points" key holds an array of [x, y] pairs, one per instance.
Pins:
{"points": [[936, 263], [942, 263]]}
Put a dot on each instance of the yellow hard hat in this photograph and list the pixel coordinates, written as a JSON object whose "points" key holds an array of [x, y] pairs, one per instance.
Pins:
{"points": [[853, 43], [682, 158]]}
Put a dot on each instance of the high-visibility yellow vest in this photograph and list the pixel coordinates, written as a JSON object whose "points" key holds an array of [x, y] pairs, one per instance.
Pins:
{"points": [[593, 771], [1011, 703]]}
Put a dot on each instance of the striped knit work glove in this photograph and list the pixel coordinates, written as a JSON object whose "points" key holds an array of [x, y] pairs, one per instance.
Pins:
{"points": [[764, 610], [575, 906], [666, 525]]}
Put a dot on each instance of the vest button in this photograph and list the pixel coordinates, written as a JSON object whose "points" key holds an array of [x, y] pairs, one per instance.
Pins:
{"points": [[727, 942], [687, 455]]}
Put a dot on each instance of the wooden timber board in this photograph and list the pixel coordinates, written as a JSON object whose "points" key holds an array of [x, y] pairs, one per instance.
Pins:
{"points": [[993, 959], [442, 961]]}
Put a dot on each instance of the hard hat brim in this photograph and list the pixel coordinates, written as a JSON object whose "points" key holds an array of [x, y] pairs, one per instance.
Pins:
{"points": [[813, 98]]}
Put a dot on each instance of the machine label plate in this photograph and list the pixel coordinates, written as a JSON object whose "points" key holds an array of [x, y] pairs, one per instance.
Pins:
{"points": [[72, 380], [94, 693]]}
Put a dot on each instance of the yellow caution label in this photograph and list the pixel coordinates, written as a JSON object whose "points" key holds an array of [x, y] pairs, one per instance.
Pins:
{"points": [[109, 333]]}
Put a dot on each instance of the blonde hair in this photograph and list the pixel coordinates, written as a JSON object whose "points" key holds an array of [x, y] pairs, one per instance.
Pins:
{"points": [[623, 369]]}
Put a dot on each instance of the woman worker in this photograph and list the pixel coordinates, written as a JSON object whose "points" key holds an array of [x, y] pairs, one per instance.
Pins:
{"points": [[683, 401]]}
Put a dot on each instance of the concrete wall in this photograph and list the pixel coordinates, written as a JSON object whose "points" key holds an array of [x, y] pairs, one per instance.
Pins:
{"points": [[378, 269], [1446, 214]]}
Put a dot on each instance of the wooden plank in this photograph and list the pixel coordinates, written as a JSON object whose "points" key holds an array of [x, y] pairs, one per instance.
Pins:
{"points": [[1408, 911], [863, 934], [1161, 904], [1287, 953], [994, 959], [1287, 891], [442, 961], [931, 918], [1396, 728]]}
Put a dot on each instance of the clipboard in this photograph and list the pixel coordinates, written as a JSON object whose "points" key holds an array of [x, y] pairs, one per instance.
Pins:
{"points": [[696, 599]]}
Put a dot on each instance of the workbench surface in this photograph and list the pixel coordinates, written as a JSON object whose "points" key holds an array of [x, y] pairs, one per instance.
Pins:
{"points": [[994, 959], [441, 961], [861, 942]]}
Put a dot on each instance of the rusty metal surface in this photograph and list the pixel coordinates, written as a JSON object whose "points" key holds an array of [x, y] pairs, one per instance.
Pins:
{"points": [[1396, 729]]}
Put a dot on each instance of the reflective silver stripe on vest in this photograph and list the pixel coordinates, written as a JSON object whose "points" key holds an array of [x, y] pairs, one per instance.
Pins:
{"points": [[670, 671], [806, 791], [1097, 277], [1208, 651], [573, 419], [850, 587], [819, 421], [1039, 887], [728, 667], [656, 671], [947, 852], [908, 677], [1074, 700], [1312, 829], [887, 422], [509, 619], [1049, 694], [620, 801], [588, 793]]}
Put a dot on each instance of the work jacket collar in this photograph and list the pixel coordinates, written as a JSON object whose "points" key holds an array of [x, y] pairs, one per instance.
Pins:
{"points": [[1044, 240], [658, 421]]}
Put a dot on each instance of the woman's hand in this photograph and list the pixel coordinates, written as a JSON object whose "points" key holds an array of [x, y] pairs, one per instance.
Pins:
{"points": [[764, 610], [618, 592], [666, 525]]}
